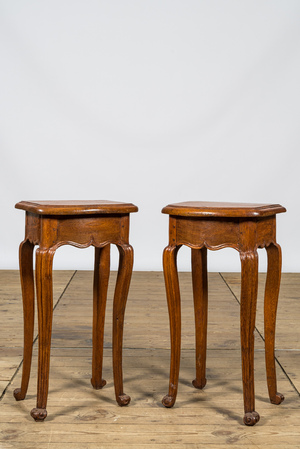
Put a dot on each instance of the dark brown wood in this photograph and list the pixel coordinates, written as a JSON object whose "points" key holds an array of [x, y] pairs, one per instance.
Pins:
{"points": [[101, 278], [244, 227], [249, 284], [27, 284], [173, 298], [76, 207], [270, 311], [120, 298], [200, 293], [51, 224], [44, 294], [214, 209]]}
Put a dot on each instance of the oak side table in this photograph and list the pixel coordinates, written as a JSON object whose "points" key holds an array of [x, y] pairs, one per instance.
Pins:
{"points": [[244, 227], [51, 224]]}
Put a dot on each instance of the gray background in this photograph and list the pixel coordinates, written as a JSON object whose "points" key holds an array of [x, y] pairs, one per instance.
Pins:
{"points": [[150, 102]]}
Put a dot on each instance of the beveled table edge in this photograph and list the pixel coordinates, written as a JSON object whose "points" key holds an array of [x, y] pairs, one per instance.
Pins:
{"points": [[76, 207], [211, 209]]}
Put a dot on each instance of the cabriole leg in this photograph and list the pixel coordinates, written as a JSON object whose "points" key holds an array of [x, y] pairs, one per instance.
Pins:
{"points": [[173, 298], [270, 311], [120, 299], [27, 284], [44, 260], [249, 262], [199, 276], [101, 278]]}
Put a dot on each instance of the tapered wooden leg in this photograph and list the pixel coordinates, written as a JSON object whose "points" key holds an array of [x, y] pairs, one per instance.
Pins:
{"points": [[120, 298], [27, 284], [249, 261], [173, 298], [101, 278], [270, 310], [200, 292], [44, 260]]}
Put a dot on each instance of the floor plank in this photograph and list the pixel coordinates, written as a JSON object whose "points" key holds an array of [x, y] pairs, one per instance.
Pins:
{"points": [[80, 417]]}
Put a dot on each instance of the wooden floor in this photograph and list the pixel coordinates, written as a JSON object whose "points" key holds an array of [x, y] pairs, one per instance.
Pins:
{"points": [[80, 417]]}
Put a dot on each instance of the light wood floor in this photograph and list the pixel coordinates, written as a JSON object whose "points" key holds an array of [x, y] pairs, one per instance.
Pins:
{"points": [[80, 417]]}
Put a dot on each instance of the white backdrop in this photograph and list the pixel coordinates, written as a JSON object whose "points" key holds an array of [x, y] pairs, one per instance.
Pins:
{"points": [[150, 102]]}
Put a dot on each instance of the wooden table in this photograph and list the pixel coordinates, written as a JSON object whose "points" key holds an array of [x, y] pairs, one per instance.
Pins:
{"points": [[244, 227], [51, 224]]}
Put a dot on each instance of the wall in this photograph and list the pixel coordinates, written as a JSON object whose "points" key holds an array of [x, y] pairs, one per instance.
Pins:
{"points": [[151, 102]]}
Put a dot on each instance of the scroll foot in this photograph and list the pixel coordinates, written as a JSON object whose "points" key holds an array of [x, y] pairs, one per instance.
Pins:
{"points": [[199, 385], [123, 400], [278, 399], [98, 386], [18, 394], [39, 414], [251, 418], [168, 401]]}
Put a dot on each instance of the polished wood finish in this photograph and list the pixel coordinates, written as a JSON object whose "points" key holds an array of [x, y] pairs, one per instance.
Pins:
{"points": [[27, 283], [76, 207], [270, 310], [246, 228], [200, 294], [101, 278], [120, 297], [173, 298], [214, 209], [49, 225]]}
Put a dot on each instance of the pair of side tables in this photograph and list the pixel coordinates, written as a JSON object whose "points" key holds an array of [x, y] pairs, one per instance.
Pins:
{"points": [[199, 225]]}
